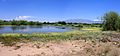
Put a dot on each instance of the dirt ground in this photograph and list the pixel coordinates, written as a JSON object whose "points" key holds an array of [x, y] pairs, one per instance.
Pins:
{"points": [[63, 48]]}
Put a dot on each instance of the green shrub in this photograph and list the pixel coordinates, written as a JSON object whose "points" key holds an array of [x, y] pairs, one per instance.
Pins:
{"points": [[111, 21]]}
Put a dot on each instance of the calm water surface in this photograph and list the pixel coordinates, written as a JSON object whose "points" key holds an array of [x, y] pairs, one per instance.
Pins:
{"points": [[33, 29]]}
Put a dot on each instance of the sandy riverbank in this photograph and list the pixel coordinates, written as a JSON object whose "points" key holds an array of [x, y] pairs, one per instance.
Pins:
{"points": [[63, 48]]}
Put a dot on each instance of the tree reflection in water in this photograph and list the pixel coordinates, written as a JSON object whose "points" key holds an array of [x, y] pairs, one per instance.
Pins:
{"points": [[1, 27], [14, 28]]}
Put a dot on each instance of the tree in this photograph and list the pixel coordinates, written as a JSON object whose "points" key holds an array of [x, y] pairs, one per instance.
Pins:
{"points": [[14, 22], [111, 21], [23, 22], [31, 23], [38, 23], [62, 22], [1, 22], [117, 25]]}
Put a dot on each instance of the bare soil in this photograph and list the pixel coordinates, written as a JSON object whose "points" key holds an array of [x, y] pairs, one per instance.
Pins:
{"points": [[63, 48]]}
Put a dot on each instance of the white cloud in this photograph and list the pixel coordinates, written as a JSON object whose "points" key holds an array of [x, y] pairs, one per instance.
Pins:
{"points": [[96, 20], [23, 17]]}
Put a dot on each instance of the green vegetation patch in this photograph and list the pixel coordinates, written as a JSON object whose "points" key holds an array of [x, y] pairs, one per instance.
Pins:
{"points": [[92, 28], [11, 39]]}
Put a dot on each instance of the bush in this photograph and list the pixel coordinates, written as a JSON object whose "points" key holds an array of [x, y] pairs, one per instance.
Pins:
{"points": [[111, 21]]}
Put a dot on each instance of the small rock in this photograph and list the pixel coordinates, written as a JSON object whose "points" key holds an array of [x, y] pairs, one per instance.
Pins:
{"points": [[17, 47], [47, 46], [18, 55]]}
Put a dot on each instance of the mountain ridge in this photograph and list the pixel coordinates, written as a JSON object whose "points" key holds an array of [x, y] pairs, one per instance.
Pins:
{"points": [[82, 21]]}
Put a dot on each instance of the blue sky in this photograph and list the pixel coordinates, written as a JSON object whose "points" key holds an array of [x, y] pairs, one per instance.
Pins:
{"points": [[55, 10]]}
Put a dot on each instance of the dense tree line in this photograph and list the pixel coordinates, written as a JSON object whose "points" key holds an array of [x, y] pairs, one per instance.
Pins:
{"points": [[59, 23], [24, 22], [19, 22], [111, 21]]}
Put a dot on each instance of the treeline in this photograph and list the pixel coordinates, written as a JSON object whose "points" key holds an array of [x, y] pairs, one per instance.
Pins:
{"points": [[59, 23], [19, 22], [24, 22]]}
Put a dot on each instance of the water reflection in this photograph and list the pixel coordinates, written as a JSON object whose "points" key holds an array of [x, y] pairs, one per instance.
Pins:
{"points": [[15, 28], [1, 27], [33, 29], [18, 27], [36, 26], [61, 27]]}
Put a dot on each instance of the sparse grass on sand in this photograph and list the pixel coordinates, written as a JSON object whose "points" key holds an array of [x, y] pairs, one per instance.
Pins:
{"points": [[11, 39], [45, 37], [74, 43]]}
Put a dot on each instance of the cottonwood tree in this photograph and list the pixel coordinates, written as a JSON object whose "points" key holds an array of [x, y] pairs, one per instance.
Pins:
{"points": [[111, 21]]}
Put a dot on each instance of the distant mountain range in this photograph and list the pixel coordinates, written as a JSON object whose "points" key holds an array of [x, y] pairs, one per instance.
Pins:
{"points": [[82, 21]]}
